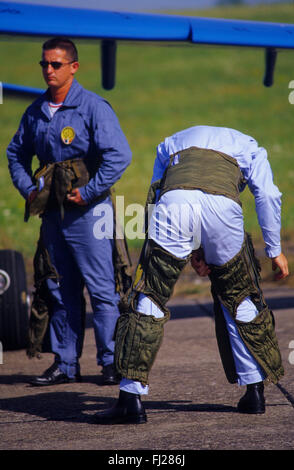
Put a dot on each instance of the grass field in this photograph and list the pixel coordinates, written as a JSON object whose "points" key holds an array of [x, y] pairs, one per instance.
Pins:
{"points": [[159, 90]]}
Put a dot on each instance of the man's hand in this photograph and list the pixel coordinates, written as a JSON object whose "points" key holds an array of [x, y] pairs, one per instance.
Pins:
{"points": [[32, 196], [281, 263], [198, 263], [75, 197]]}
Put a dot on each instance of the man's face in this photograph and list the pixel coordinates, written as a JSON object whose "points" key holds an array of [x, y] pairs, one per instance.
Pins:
{"points": [[58, 78]]}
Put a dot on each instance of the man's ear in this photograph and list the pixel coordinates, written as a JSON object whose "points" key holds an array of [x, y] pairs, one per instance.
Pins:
{"points": [[75, 67]]}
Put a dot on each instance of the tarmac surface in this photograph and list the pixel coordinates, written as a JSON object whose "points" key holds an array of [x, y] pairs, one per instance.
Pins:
{"points": [[190, 407]]}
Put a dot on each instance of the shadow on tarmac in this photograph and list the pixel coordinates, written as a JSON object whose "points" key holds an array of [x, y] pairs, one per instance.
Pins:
{"points": [[206, 310], [79, 406], [280, 303], [38, 404]]}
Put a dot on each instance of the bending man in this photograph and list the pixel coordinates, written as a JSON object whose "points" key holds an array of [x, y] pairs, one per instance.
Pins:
{"points": [[202, 170]]}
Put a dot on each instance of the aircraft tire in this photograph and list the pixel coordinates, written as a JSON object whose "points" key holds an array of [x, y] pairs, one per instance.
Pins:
{"points": [[14, 304]]}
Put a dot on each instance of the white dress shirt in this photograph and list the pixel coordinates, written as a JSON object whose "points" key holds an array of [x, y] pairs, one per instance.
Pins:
{"points": [[253, 163]]}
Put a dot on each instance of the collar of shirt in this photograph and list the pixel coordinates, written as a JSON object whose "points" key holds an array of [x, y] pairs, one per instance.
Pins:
{"points": [[72, 100]]}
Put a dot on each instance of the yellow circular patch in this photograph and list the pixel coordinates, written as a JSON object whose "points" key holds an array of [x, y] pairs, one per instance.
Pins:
{"points": [[67, 135]]}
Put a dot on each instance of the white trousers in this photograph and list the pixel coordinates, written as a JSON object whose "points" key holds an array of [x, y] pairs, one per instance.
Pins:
{"points": [[180, 222]]}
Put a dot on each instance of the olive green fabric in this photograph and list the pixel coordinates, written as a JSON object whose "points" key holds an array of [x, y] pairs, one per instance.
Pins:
{"points": [[41, 302], [38, 205], [260, 338], [238, 278], [205, 169], [58, 179], [137, 340], [223, 342], [151, 196], [157, 273], [41, 307], [121, 257], [231, 284], [138, 337]]}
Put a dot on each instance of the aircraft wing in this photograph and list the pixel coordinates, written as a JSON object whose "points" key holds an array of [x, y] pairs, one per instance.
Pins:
{"points": [[108, 26], [242, 33], [38, 20]]}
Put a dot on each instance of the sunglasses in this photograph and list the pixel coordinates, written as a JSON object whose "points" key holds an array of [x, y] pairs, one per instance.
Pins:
{"points": [[56, 65]]}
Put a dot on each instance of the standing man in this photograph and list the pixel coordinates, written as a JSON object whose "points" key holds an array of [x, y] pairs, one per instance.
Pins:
{"points": [[82, 152], [197, 177]]}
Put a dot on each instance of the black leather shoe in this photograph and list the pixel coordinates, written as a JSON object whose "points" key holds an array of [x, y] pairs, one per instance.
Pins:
{"points": [[110, 376], [53, 376], [253, 401], [127, 410]]}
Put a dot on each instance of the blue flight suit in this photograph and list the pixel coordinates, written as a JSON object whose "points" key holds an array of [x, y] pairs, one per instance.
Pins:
{"points": [[80, 258]]}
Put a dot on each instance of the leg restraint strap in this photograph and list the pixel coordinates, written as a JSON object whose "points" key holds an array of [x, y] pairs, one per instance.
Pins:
{"points": [[138, 337]]}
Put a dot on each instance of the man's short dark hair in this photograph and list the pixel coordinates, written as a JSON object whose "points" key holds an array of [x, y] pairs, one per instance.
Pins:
{"points": [[62, 43]]}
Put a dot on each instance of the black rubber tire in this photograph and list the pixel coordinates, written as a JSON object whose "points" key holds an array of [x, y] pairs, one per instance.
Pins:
{"points": [[14, 308]]}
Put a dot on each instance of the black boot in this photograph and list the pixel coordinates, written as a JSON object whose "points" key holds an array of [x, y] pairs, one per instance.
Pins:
{"points": [[253, 401], [53, 376], [127, 410]]}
